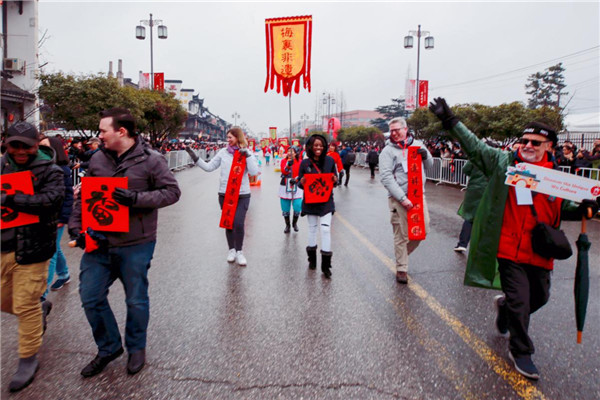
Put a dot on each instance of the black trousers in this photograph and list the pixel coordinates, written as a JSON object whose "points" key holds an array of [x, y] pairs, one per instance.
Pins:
{"points": [[235, 236], [465, 233], [527, 289], [347, 169], [372, 168]]}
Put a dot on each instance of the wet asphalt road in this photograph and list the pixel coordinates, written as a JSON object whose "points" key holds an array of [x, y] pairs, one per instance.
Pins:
{"points": [[275, 329]]}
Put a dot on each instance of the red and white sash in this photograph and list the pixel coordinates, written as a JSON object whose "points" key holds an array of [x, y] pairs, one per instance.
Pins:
{"points": [[232, 193]]}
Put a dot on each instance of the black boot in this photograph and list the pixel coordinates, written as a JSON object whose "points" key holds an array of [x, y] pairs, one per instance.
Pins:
{"points": [[294, 223], [46, 308], [25, 373], [287, 224], [326, 263], [312, 257]]}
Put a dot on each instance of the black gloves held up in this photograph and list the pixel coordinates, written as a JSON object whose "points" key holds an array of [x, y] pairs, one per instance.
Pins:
{"points": [[193, 155], [80, 238], [124, 197], [423, 153], [441, 110], [290, 163], [588, 204]]}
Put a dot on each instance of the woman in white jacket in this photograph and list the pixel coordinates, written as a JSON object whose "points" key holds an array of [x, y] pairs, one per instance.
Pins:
{"points": [[224, 158]]}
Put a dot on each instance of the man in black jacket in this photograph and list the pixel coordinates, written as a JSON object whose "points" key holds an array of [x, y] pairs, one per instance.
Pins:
{"points": [[122, 255], [27, 249]]}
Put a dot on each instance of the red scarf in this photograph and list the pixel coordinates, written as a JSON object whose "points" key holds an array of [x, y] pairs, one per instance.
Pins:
{"points": [[416, 216], [232, 193]]}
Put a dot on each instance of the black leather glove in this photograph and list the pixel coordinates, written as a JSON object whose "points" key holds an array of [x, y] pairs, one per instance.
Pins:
{"points": [[293, 181], [423, 153], [124, 197], [340, 176], [290, 163], [193, 155], [588, 204], [441, 110], [8, 200], [245, 152], [99, 238]]}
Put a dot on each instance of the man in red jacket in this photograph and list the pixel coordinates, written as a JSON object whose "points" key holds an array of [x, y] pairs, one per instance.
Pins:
{"points": [[503, 229]]}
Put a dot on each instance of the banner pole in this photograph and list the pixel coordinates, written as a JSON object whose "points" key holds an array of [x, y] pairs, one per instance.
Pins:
{"points": [[290, 101]]}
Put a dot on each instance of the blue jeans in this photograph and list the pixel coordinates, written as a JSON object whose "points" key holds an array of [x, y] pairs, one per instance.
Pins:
{"points": [[58, 262], [99, 270], [286, 205]]}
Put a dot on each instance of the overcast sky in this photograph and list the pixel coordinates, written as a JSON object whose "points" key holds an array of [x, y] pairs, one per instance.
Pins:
{"points": [[484, 51]]}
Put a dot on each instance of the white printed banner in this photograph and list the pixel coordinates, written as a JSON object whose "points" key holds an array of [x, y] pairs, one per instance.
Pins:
{"points": [[552, 182]]}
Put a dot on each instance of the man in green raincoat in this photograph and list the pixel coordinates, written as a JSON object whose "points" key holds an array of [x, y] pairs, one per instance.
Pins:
{"points": [[501, 236]]}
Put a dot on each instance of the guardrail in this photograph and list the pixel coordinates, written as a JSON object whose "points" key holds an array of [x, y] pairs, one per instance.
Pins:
{"points": [[175, 160], [446, 170]]}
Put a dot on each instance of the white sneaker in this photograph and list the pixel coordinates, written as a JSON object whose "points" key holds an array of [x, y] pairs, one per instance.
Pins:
{"points": [[460, 249], [241, 260], [231, 255]]}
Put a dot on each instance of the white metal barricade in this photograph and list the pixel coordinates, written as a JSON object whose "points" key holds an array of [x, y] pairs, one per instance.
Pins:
{"points": [[590, 173]]}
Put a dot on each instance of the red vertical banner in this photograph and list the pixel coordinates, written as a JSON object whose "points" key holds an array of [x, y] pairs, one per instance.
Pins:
{"points": [[252, 145], [289, 42], [423, 93], [232, 193], [273, 134], [296, 142], [409, 95], [159, 81], [17, 183], [98, 209], [416, 216]]}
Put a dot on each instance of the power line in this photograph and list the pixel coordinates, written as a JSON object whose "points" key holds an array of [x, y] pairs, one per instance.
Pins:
{"points": [[519, 69]]}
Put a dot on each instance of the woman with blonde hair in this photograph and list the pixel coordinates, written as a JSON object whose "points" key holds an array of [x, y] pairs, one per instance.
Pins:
{"points": [[234, 188]]}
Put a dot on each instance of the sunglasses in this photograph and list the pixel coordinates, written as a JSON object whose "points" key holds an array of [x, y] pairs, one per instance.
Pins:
{"points": [[534, 143]]}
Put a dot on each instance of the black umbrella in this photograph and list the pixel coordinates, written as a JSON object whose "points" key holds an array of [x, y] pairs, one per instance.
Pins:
{"points": [[582, 278]]}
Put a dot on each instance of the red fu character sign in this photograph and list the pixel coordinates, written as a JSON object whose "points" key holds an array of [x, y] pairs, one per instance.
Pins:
{"points": [[98, 209], [317, 187], [17, 183]]}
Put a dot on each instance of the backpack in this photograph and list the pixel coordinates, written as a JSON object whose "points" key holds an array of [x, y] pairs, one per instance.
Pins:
{"points": [[350, 157]]}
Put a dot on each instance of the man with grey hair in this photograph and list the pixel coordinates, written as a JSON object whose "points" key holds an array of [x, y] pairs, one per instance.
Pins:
{"points": [[393, 168]]}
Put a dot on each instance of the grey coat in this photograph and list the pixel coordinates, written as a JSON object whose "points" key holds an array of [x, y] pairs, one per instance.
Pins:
{"points": [[149, 175], [393, 175]]}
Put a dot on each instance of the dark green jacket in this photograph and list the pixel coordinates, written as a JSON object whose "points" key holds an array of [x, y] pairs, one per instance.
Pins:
{"points": [[482, 267]]}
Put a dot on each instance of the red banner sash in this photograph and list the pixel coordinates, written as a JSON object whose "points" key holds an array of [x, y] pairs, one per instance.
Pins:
{"points": [[416, 217], [232, 194], [317, 187]]}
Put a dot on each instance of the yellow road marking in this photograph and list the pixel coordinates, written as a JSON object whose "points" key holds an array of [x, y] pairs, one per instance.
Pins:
{"points": [[521, 385]]}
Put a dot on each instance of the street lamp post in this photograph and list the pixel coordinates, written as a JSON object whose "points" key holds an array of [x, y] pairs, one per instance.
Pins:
{"points": [[140, 33], [329, 100], [235, 116], [303, 118], [408, 44]]}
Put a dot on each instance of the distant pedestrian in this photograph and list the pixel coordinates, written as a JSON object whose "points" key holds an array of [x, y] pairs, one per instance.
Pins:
{"points": [[58, 262], [122, 255], [338, 160], [475, 189], [27, 249], [372, 160], [224, 159], [318, 162], [393, 170], [348, 160], [290, 194]]}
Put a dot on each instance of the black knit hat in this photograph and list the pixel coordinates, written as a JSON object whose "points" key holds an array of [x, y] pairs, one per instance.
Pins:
{"points": [[537, 128]]}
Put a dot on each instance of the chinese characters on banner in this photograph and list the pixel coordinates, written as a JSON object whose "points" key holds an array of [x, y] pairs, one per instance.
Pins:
{"points": [[232, 193], [98, 209], [273, 134], [264, 143], [296, 142], [17, 183], [288, 43], [317, 187], [410, 104], [159, 81], [423, 93], [416, 217], [282, 142], [252, 145]]}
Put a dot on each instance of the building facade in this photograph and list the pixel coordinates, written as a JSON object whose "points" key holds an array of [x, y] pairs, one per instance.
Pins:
{"points": [[20, 63]]}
